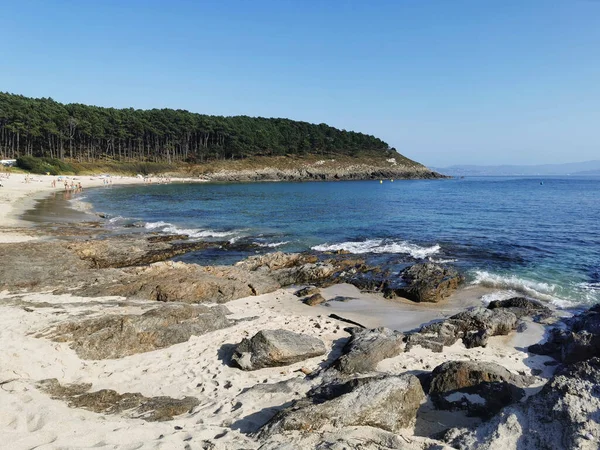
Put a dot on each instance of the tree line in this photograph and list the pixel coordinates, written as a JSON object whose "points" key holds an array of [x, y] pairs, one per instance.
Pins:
{"points": [[46, 128]]}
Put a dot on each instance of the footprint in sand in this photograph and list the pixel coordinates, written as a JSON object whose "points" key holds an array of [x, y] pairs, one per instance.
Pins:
{"points": [[35, 422]]}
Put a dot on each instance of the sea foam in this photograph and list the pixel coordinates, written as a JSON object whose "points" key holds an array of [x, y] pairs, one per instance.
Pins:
{"points": [[380, 246], [514, 286], [166, 227]]}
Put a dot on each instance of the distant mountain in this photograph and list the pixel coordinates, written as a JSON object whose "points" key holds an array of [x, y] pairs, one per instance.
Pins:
{"points": [[578, 169]]}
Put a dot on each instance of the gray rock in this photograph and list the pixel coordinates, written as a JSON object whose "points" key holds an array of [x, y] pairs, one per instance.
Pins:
{"points": [[563, 415], [118, 335], [473, 339], [107, 401], [123, 251], [182, 282], [272, 348], [480, 388], [366, 348], [521, 306], [473, 326], [389, 403], [275, 261], [427, 282]]}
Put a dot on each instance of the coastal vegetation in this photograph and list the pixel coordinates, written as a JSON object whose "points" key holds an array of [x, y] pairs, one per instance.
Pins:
{"points": [[44, 128]]}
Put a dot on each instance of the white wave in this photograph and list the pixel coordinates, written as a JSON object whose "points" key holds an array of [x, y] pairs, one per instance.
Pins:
{"points": [[155, 225], [166, 227], [498, 295], [116, 219], [442, 260], [272, 244], [380, 246], [521, 286], [589, 286]]}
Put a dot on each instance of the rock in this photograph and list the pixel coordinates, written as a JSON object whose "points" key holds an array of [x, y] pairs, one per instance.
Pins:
{"points": [[305, 292], [480, 388], [473, 326], [389, 403], [427, 282], [306, 273], [314, 300], [521, 306], [118, 335], [107, 401], [182, 282], [366, 348], [275, 261], [272, 348], [563, 415], [580, 341], [473, 339], [123, 251]]}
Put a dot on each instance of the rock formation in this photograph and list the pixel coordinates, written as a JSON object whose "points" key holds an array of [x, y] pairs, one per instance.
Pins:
{"points": [[366, 348], [426, 282], [272, 348], [481, 388], [563, 415], [389, 403], [118, 335], [578, 342]]}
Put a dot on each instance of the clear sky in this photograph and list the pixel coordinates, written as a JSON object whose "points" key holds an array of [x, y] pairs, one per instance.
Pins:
{"points": [[444, 81]]}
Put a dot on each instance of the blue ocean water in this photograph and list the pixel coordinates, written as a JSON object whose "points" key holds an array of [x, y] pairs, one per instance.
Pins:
{"points": [[534, 236]]}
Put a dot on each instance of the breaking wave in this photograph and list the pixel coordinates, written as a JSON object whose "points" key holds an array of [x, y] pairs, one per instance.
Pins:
{"points": [[381, 246], [271, 244], [166, 227], [512, 285]]}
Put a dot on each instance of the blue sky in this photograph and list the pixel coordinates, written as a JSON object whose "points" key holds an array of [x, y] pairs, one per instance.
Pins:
{"points": [[444, 81]]}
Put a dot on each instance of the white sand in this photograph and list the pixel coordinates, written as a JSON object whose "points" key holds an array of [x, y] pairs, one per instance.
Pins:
{"points": [[30, 419]]}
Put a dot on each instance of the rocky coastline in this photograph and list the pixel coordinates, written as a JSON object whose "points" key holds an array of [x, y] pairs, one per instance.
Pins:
{"points": [[108, 342]]}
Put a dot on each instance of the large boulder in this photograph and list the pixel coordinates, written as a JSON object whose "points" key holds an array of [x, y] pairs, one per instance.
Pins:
{"points": [[426, 282], [367, 347], [107, 401], [473, 326], [563, 415], [389, 403], [118, 335], [480, 388], [272, 348]]}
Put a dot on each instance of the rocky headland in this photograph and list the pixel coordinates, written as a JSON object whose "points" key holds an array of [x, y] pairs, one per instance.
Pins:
{"points": [[108, 343]]}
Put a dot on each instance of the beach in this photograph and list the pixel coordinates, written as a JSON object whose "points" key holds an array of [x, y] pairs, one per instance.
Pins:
{"points": [[231, 405]]}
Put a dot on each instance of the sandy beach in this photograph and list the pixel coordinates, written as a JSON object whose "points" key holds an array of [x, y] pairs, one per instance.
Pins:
{"points": [[232, 404]]}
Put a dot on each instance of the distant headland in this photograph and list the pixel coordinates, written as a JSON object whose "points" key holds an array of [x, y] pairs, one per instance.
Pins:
{"points": [[46, 136]]}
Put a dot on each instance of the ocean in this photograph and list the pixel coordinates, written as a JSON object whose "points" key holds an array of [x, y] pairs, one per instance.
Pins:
{"points": [[538, 237]]}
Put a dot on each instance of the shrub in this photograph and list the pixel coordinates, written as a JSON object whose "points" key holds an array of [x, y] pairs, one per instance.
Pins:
{"points": [[44, 166]]}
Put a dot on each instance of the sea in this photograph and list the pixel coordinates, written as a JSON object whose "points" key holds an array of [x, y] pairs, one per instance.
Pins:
{"points": [[529, 236]]}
